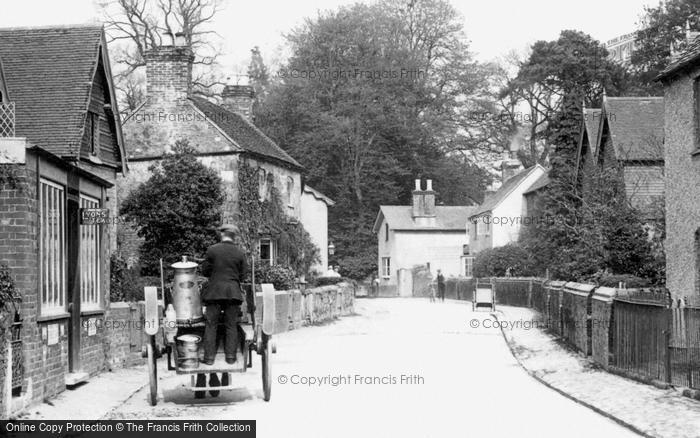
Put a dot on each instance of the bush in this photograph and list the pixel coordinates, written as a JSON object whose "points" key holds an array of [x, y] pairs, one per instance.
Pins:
{"points": [[125, 283], [613, 280], [282, 277], [327, 281], [496, 262]]}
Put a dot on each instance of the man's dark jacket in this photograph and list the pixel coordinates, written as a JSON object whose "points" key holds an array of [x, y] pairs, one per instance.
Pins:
{"points": [[225, 265]]}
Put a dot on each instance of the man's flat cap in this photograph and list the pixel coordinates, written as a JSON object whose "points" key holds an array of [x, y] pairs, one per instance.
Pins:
{"points": [[229, 228]]}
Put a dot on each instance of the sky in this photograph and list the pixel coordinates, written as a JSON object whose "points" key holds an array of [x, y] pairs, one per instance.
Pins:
{"points": [[494, 27]]}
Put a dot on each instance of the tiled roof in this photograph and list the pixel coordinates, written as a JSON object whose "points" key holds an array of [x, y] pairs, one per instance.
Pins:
{"points": [[242, 131], [447, 218], [49, 73], [492, 201], [689, 56], [541, 182], [636, 126]]}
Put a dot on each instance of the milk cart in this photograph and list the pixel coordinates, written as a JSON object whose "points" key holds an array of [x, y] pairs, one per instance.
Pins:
{"points": [[255, 332], [484, 296]]}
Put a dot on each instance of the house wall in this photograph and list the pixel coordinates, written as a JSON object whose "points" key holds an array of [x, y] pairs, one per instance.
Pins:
{"points": [[386, 248], [314, 218], [477, 242], [407, 249], [506, 218], [45, 362], [108, 151], [682, 177]]}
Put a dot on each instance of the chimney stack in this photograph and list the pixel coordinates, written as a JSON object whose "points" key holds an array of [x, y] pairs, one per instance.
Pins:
{"points": [[239, 99], [169, 72], [510, 167], [423, 209]]}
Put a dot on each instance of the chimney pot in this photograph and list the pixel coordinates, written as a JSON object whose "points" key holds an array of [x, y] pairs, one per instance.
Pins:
{"points": [[180, 40], [417, 185], [429, 187]]}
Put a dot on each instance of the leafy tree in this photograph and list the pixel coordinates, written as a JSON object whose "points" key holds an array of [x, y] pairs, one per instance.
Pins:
{"points": [[555, 80], [177, 210], [259, 77], [373, 97], [664, 28]]}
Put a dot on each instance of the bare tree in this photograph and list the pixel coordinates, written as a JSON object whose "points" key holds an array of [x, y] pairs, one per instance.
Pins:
{"points": [[135, 26]]}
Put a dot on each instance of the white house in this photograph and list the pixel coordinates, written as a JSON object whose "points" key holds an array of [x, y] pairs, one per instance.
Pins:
{"points": [[498, 220], [314, 218], [421, 234]]}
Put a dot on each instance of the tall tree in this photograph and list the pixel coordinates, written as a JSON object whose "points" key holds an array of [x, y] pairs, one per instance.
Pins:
{"points": [[135, 26], [372, 97], [664, 29]]}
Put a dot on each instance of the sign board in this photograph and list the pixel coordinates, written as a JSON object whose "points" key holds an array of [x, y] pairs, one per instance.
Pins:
{"points": [[52, 338], [92, 327], [94, 216]]}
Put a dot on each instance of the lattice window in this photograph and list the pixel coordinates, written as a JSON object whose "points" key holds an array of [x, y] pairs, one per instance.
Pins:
{"points": [[7, 119], [52, 248], [90, 278], [386, 267]]}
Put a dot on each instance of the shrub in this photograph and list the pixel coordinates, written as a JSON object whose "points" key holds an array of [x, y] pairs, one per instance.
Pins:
{"points": [[125, 283], [327, 281], [282, 277], [613, 280], [176, 210], [496, 262]]}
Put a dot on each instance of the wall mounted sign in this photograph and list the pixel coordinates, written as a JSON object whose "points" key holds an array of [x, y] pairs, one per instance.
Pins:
{"points": [[94, 216]]}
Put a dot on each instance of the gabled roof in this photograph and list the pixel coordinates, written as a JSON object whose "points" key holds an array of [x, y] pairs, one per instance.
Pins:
{"points": [[506, 189], [400, 218], [49, 73], [541, 183], [636, 126], [243, 132], [318, 195], [689, 57]]}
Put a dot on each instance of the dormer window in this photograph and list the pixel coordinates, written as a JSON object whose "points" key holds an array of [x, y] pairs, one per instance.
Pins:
{"points": [[93, 129]]}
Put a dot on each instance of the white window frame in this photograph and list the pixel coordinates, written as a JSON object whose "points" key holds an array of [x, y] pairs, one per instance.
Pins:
{"points": [[386, 267], [272, 249], [90, 260], [52, 248], [468, 266]]}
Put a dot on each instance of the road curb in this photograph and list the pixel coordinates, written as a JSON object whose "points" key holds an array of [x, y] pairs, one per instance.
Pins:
{"points": [[606, 414]]}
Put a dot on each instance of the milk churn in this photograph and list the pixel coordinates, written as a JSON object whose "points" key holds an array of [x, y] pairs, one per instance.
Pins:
{"points": [[186, 299]]}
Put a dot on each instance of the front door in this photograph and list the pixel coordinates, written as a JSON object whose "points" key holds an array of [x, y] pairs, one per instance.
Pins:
{"points": [[73, 293]]}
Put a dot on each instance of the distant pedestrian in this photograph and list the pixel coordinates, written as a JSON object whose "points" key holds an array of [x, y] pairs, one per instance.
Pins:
{"points": [[431, 292], [441, 285]]}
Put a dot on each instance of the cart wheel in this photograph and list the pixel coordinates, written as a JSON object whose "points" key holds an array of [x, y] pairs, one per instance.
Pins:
{"points": [[266, 370], [152, 371]]}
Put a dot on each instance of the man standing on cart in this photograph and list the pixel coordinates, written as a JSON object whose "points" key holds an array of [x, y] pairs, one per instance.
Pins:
{"points": [[225, 265]]}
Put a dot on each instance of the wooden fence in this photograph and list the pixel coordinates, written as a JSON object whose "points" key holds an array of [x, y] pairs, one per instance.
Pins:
{"points": [[640, 333]]}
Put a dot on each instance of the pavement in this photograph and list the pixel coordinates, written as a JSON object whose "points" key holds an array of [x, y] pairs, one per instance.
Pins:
{"points": [[651, 411], [400, 367]]}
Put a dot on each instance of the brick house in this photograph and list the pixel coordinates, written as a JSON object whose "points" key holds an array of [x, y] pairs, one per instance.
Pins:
{"points": [[631, 137], [681, 81], [223, 135], [418, 235], [66, 148]]}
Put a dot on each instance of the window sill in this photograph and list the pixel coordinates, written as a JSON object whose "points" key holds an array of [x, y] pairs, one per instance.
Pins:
{"points": [[92, 312], [95, 159], [56, 317]]}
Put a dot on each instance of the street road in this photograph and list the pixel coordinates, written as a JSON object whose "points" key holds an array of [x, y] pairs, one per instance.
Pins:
{"points": [[458, 381]]}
